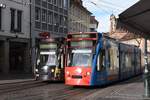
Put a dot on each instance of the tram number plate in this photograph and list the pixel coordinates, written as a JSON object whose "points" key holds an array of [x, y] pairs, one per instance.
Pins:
{"points": [[76, 76]]}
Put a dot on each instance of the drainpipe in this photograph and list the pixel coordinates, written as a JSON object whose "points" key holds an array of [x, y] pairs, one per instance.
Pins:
{"points": [[31, 37]]}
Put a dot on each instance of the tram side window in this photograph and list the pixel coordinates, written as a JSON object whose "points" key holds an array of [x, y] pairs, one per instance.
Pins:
{"points": [[128, 60], [62, 60], [59, 61], [101, 62], [112, 58]]}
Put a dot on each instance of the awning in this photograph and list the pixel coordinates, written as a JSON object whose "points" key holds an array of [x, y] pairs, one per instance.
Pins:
{"points": [[136, 18]]}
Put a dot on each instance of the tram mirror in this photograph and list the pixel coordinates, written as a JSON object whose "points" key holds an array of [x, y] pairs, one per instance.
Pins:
{"points": [[93, 51], [57, 64], [62, 63], [38, 61]]}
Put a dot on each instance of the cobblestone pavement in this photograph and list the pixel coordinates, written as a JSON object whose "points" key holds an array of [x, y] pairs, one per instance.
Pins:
{"points": [[132, 89]]}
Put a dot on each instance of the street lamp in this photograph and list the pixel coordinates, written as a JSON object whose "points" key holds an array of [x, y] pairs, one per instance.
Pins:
{"points": [[2, 5]]}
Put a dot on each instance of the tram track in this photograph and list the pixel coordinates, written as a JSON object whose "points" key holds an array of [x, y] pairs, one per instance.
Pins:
{"points": [[6, 88], [71, 93], [50, 93], [65, 93]]}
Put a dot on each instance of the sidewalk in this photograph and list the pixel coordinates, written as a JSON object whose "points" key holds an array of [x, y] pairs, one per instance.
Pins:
{"points": [[15, 78], [132, 89]]}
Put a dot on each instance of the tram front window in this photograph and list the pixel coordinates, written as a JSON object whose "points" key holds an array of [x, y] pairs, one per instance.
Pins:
{"points": [[81, 58], [47, 59]]}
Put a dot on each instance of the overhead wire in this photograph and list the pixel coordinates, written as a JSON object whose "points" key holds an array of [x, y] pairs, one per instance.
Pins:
{"points": [[101, 8], [112, 4], [95, 5], [106, 6]]}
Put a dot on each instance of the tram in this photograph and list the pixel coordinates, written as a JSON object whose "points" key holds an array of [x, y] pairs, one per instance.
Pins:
{"points": [[93, 59], [50, 59]]}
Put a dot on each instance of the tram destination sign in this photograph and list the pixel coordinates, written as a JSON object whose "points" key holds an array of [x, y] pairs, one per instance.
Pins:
{"points": [[48, 45], [82, 43]]}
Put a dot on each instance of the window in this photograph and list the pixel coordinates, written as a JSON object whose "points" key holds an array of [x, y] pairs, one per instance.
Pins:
{"points": [[50, 17], [48, 58], [50, 1], [19, 20], [37, 14], [38, 2], [81, 57], [44, 3], [112, 58], [0, 18], [55, 19], [66, 4], [101, 60], [55, 2], [16, 20], [61, 20], [60, 3], [65, 21], [12, 19], [44, 15]]}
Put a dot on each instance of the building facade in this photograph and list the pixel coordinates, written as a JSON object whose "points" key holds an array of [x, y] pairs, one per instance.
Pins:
{"points": [[79, 17], [123, 35], [49, 16], [93, 24], [14, 36]]}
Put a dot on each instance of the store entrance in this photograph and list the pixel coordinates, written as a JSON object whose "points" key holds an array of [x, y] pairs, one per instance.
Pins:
{"points": [[17, 57]]}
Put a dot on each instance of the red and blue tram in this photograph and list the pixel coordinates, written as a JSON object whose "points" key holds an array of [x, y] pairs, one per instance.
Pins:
{"points": [[93, 59], [50, 59]]}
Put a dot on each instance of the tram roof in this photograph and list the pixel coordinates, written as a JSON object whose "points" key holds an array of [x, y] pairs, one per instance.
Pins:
{"points": [[90, 36], [56, 40], [73, 33]]}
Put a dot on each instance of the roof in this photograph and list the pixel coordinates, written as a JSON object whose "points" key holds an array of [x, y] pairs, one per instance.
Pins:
{"points": [[79, 3], [137, 18], [93, 20]]}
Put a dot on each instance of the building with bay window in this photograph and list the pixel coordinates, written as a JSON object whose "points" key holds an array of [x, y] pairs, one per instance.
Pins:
{"points": [[49, 16]]}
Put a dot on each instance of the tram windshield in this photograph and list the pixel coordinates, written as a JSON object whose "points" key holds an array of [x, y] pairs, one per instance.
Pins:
{"points": [[81, 57], [48, 58]]}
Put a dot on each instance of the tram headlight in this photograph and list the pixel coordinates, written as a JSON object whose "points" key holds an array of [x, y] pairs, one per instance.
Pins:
{"points": [[79, 70], [52, 70], [36, 70], [45, 67], [68, 73], [88, 73]]}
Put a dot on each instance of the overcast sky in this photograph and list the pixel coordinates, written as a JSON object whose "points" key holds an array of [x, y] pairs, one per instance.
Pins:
{"points": [[102, 9]]}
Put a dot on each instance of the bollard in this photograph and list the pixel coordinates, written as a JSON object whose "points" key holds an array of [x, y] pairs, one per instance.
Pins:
{"points": [[147, 84]]}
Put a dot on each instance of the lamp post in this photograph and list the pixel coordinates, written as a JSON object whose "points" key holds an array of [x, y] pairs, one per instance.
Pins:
{"points": [[146, 73]]}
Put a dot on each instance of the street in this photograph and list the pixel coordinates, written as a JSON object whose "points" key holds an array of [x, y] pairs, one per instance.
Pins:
{"points": [[131, 89], [74, 50]]}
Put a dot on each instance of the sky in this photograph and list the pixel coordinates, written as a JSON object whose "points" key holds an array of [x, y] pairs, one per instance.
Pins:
{"points": [[102, 9]]}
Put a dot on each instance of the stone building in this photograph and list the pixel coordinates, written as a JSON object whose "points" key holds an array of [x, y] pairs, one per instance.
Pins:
{"points": [[123, 35], [14, 36], [79, 17], [93, 24], [49, 16]]}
